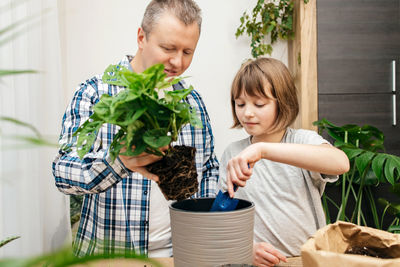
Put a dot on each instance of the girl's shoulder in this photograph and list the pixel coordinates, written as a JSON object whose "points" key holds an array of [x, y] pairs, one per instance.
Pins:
{"points": [[303, 136], [236, 147]]}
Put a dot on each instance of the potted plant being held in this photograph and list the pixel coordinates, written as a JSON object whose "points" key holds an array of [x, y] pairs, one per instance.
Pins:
{"points": [[149, 117]]}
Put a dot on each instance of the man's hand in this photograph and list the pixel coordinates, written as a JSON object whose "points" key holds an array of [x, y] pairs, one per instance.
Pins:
{"points": [[139, 163], [265, 255]]}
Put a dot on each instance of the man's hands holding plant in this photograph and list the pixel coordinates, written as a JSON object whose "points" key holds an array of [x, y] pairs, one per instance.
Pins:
{"points": [[149, 117], [139, 163]]}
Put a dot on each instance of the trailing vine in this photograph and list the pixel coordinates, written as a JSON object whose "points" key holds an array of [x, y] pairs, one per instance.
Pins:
{"points": [[271, 18]]}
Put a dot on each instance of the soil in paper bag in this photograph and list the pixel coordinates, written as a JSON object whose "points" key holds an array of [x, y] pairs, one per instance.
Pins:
{"points": [[366, 251]]}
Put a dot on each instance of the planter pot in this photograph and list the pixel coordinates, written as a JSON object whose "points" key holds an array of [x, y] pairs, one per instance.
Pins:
{"points": [[203, 239]]}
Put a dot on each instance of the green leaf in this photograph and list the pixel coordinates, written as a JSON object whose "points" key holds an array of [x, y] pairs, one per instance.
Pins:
{"points": [[194, 119], [37, 141], [364, 160], [132, 131], [157, 138], [393, 208], [112, 75], [116, 144], [21, 123], [394, 228], [370, 178], [392, 169], [140, 147], [66, 257], [8, 240], [87, 134], [334, 134], [383, 202], [378, 164], [154, 74], [177, 95], [351, 152], [168, 83], [102, 108], [14, 72], [324, 123], [270, 28]]}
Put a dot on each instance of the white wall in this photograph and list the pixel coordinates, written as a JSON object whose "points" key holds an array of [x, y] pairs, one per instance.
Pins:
{"points": [[96, 35], [30, 204]]}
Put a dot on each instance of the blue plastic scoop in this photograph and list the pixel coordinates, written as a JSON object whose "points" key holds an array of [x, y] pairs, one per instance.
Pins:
{"points": [[223, 202]]}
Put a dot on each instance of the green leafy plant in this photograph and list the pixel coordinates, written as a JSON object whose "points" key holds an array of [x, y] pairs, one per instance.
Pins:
{"points": [[149, 117], [268, 18], [369, 167], [147, 121], [65, 257]]}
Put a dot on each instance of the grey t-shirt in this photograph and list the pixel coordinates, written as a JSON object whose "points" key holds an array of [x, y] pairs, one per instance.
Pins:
{"points": [[287, 199]]}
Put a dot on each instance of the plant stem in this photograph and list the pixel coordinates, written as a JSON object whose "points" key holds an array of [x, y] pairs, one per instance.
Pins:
{"points": [[395, 221], [326, 210], [174, 130], [342, 210], [359, 196], [383, 215], [373, 207], [154, 123], [336, 206]]}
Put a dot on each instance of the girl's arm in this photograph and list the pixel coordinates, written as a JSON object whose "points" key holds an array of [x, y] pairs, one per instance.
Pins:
{"points": [[323, 158]]}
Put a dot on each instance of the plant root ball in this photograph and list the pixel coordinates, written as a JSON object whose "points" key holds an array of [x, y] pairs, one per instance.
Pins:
{"points": [[177, 173]]}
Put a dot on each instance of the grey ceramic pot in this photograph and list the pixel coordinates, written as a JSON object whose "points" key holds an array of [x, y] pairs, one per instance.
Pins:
{"points": [[203, 239]]}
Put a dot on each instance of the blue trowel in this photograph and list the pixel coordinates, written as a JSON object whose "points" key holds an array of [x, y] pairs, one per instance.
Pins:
{"points": [[223, 202]]}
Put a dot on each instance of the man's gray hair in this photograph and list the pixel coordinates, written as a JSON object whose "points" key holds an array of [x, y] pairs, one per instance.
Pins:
{"points": [[186, 11]]}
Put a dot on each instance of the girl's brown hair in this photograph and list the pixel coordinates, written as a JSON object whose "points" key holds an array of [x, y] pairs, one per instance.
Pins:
{"points": [[256, 78]]}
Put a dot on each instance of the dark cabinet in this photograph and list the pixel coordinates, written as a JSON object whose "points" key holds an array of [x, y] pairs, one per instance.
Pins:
{"points": [[358, 61]]}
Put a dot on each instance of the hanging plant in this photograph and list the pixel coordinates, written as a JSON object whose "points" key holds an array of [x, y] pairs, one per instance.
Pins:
{"points": [[268, 18]]}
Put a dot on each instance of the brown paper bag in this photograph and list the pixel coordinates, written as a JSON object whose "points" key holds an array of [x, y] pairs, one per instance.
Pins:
{"points": [[326, 248]]}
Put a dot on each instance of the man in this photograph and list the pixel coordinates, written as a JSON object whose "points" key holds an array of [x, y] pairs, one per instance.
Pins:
{"points": [[122, 208]]}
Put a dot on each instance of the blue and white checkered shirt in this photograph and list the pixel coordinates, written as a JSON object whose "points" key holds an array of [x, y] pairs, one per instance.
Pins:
{"points": [[115, 211]]}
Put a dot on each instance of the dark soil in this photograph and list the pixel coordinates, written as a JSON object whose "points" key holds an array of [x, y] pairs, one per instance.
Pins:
{"points": [[366, 251], [177, 173]]}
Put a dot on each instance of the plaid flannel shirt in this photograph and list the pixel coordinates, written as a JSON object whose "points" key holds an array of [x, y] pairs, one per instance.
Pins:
{"points": [[115, 211]]}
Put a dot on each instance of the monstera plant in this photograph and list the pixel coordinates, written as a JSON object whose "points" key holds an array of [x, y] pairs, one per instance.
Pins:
{"points": [[370, 168]]}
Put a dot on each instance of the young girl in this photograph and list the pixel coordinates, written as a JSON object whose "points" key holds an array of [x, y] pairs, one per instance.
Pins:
{"points": [[281, 169]]}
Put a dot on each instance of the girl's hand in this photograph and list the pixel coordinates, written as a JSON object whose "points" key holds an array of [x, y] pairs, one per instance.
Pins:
{"points": [[265, 254], [240, 168]]}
